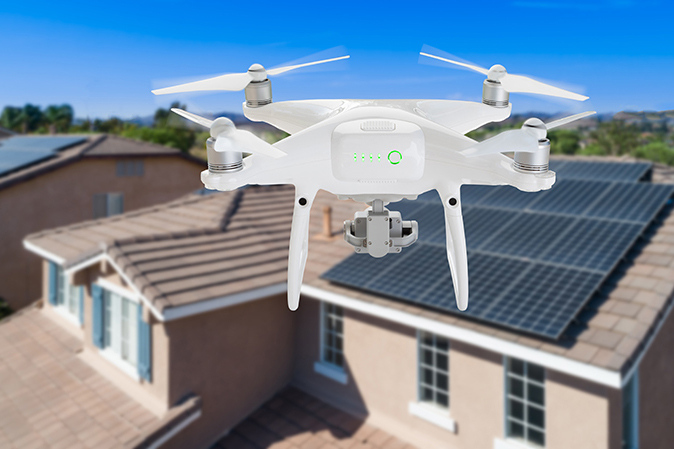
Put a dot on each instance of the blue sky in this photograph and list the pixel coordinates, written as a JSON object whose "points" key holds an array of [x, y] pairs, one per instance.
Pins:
{"points": [[104, 60]]}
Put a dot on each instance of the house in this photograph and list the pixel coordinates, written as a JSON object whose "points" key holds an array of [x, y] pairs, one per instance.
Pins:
{"points": [[188, 321], [51, 181]]}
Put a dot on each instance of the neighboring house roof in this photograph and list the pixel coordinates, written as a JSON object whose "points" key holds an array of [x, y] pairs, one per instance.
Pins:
{"points": [[4, 132], [95, 145], [201, 248], [51, 398], [294, 419]]}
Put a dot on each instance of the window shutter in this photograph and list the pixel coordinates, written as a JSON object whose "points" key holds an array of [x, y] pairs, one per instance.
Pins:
{"points": [[81, 308], [144, 347], [53, 283], [97, 322]]}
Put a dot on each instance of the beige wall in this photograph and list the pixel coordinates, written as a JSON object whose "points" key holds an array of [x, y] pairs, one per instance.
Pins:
{"points": [[234, 358], [381, 362], [65, 196], [581, 414], [656, 391]]}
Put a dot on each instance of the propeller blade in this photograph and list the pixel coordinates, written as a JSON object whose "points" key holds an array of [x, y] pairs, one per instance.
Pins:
{"points": [[569, 119], [462, 64], [519, 83], [193, 117], [246, 142], [508, 141], [231, 81], [280, 70]]}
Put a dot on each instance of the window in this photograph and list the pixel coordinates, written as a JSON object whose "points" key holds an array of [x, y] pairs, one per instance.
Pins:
{"points": [[107, 204], [433, 369], [630, 396], [67, 296], [332, 351], [120, 326], [130, 168], [525, 401]]}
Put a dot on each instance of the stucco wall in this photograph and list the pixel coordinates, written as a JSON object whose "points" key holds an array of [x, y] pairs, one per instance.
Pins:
{"points": [[381, 362], [65, 196], [234, 358], [656, 391]]}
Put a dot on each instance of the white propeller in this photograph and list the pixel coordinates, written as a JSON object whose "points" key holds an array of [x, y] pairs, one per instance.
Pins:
{"points": [[228, 138], [523, 140], [237, 81], [514, 83]]}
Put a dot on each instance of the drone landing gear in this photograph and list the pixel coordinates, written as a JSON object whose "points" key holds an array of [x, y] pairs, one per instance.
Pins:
{"points": [[299, 244], [377, 231], [456, 248]]}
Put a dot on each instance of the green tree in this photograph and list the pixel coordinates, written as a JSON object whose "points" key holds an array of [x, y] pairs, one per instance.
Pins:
{"points": [[162, 116], [616, 137], [58, 118], [564, 141], [656, 152], [113, 125], [11, 118], [31, 118]]}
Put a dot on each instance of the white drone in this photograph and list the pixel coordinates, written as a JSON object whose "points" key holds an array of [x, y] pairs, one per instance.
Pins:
{"points": [[377, 151]]}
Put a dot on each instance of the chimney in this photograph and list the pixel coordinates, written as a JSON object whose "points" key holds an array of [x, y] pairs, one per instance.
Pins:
{"points": [[327, 221]]}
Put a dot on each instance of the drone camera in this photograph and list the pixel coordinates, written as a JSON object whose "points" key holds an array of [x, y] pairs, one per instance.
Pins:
{"points": [[222, 161], [377, 231]]}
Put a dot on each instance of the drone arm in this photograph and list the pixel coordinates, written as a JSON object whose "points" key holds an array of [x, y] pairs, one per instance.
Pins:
{"points": [[299, 243], [456, 245]]}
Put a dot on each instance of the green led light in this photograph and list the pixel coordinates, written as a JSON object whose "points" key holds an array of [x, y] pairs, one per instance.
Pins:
{"points": [[355, 156], [397, 157], [363, 157], [379, 157], [370, 157]]}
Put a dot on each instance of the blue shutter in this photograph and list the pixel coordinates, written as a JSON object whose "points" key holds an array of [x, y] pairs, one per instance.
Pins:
{"points": [[81, 305], [53, 283], [97, 321], [144, 347]]}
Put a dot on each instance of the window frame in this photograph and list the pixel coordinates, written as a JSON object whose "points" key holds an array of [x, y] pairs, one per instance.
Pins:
{"points": [[323, 366], [126, 168], [67, 294], [526, 380], [631, 387], [325, 331], [113, 344], [108, 200], [434, 369]]}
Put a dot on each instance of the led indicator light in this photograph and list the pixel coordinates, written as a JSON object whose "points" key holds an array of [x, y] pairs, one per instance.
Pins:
{"points": [[363, 157], [355, 156], [379, 157], [370, 157], [394, 157]]}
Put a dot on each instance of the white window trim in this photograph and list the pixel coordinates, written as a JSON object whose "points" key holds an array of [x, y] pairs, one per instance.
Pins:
{"points": [[322, 367], [120, 363], [510, 444], [65, 313], [435, 415], [118, 289], [332, 372]]}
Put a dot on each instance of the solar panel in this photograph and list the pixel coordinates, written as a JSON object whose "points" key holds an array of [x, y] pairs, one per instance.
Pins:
{"points": [[571, 196], [20, 151], [533, 264], [631, 201], [509, 197], [600, 170]]}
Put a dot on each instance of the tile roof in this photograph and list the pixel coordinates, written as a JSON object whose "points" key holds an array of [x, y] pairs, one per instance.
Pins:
{"points": [[51, 398], [294, 419], [96, 145], [199, 248]]}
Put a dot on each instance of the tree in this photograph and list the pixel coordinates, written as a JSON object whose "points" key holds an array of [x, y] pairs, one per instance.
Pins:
{"points": [[161, 115], [616, 137], [58, 118], [31, 118], [564, 141], [11, 118]]}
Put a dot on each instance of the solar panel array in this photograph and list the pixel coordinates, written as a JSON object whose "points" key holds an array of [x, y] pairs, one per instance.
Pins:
{"points": [[534, 259], [21, 151]]}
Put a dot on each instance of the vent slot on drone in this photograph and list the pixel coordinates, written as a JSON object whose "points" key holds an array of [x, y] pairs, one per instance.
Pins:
{"points": [[377, 125]]}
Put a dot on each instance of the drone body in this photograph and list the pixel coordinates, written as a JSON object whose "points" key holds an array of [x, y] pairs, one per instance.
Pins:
{"points": [[376, 151]]}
